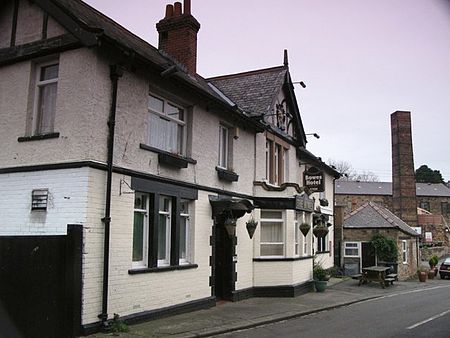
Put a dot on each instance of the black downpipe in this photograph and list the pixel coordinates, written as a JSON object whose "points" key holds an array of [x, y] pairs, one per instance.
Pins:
{"points": [[115, 73]]}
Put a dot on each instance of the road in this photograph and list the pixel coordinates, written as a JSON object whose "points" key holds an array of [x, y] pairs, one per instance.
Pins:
{"points": [[417, 313]]}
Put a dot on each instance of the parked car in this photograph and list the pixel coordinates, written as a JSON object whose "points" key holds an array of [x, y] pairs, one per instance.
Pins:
{"points": [[444, 269]]}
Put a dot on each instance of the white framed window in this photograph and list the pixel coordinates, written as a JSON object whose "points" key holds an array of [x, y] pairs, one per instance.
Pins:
{"points": [[44, 109], [184, 243], [272, 233], [140, 230], [276, 162], [223, 146], [351, 249], [164, 226], [167, 126], [322, 244], [296, 235], [405, 251]]}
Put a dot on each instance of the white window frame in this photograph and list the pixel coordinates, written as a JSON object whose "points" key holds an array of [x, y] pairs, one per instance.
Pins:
{"points": [[165, 116], [224, 133], [186, 216], [283, 224], [297, 233], [167, 215], [357, 247], [144, 262], [405, 251], [40, 84]]}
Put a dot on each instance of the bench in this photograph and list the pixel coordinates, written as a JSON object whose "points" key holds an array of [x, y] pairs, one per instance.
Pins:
{"points": [[388, 280], [393, 275], [357, 276]]}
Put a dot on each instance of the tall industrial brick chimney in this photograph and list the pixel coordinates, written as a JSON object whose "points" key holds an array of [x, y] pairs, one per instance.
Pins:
{"points": [[178, 35], [403, 178]]}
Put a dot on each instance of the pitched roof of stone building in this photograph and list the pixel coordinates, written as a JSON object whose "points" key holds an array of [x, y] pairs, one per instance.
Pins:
{"points": [[253, 91], [372, 215], [385, 188]]}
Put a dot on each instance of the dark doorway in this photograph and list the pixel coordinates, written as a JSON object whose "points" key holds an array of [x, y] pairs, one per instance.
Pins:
{"points": [[224, 281], [368, 254], [40, 283]]}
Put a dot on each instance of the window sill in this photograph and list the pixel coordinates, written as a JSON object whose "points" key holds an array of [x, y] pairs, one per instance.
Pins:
{"points": [[137, 271], [281, 259], [227, 175], [169, 159], [38, 137]]}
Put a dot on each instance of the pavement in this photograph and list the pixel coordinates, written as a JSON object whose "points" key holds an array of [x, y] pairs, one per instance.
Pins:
{"points": [[228, 317]]}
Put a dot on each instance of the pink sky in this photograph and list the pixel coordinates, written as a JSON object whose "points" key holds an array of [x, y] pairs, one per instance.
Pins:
{"points": [[361, 61]]}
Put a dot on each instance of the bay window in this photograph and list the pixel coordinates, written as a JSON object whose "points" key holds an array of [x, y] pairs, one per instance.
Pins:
{"points": [[272, 233], [167, 126]]}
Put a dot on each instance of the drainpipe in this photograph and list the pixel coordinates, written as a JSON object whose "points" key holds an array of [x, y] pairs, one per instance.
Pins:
{"points": [[115, 73]]}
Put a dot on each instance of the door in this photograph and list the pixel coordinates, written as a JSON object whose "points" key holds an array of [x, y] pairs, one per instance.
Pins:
{"points": [[224, 282], [40, 284], [368, 254]]}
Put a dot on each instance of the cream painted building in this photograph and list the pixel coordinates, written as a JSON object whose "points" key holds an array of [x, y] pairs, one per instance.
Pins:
{"points": [[152, 176]]}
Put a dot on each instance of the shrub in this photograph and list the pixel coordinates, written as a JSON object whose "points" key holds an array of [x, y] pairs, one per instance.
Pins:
{"points": [[385, 248]]}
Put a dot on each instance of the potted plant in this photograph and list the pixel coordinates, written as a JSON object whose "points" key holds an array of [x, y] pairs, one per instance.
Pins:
{"points": [[321, 278], [433, 261], [422, 274]]}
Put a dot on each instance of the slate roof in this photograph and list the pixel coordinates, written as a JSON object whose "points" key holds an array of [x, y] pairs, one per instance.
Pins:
{"points": [[385, 188], [93, 21], [254, 91], [372, 215]]}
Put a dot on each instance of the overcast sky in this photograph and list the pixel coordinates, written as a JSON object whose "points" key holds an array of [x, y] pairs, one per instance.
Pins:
{"points": [[361, 60]]}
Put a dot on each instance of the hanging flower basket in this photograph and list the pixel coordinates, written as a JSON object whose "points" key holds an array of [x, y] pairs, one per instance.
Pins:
{"points": [[320, 231], [304, 228], [251, 227]]}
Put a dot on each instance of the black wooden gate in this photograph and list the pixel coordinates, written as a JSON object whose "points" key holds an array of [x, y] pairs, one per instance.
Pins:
{"points": [[40, 284]]}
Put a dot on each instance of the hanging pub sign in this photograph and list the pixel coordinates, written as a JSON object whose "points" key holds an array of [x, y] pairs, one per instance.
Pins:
{"points": [[304, 203], [313, 179]]}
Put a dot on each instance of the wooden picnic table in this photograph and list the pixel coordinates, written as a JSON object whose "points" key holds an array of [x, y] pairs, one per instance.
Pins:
{"points": [[376, 274]]}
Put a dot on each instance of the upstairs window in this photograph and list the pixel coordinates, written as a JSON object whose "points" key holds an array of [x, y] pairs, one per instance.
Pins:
{"points": [[425, 205], [276, 162], [223, 146], [45, 98], [167, 126]]}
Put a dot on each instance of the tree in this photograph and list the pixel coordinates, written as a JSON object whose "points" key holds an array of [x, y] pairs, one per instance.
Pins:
{"points": [[350, 174], [428, 175]]}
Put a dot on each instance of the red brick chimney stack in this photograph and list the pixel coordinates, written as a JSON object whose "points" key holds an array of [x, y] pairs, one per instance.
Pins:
{"points": [[178, 35], [403, 178]]}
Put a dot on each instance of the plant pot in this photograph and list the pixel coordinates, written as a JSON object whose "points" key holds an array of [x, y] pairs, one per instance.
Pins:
{"points": [[320, 285], [422, 276], [304, 228], [431, 274]]}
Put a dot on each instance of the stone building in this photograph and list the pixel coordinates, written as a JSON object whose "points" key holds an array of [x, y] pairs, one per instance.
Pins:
{"points": [[404, 196], [360, 227], [132, 185]]}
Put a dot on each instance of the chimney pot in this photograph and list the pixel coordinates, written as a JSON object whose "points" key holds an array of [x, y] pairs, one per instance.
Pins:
{"points": [[187, 6], [177, 9], [169, 11]]}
